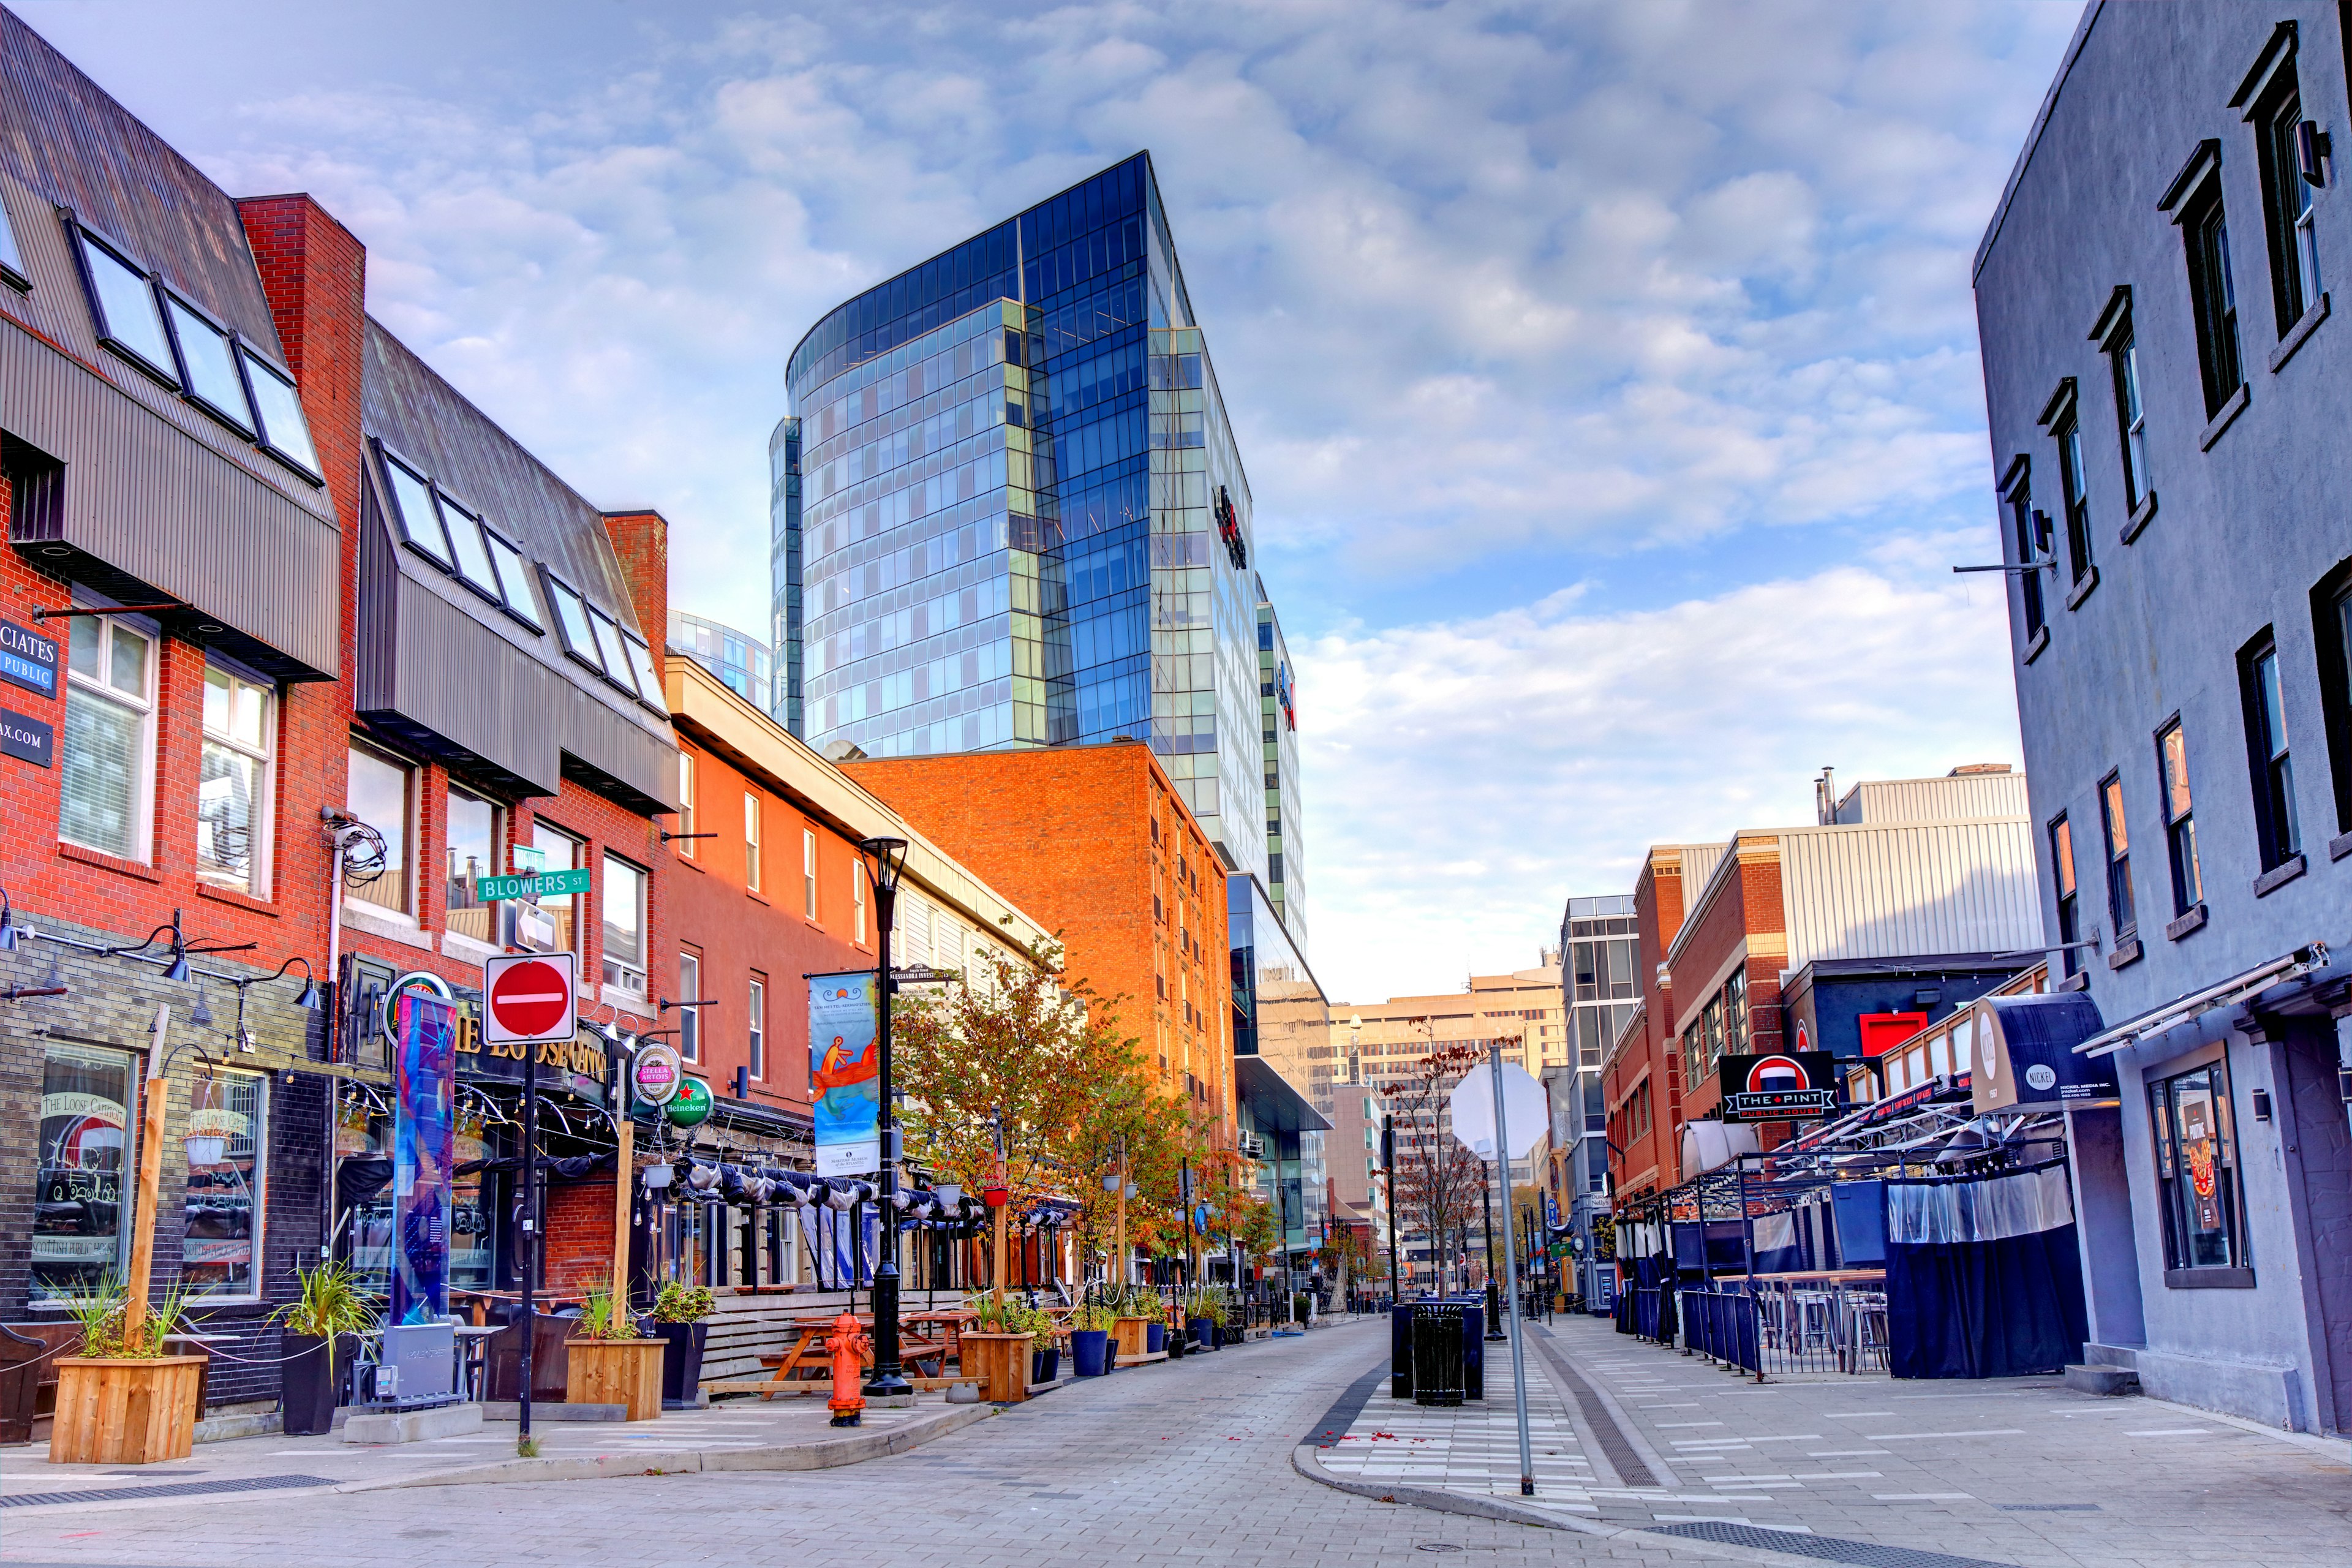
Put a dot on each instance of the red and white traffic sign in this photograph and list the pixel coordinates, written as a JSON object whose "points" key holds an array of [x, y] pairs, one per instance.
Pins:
{"points": [[527, 996]]}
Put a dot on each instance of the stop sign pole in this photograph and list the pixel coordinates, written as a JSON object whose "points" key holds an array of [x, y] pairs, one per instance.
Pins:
{"points": [[527, 999]]}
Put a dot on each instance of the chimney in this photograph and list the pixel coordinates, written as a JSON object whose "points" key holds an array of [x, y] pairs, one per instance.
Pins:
{"points": [[641, 539]]}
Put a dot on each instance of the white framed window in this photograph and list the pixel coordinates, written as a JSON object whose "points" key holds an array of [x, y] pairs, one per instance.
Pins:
{"points": [[106, 755], [808, 872], [624, 927], [752, 841], [685, 802], [690, 1020], [382, 795], [857, 900], [757, 1026], [234, 785], [227, 1146]]}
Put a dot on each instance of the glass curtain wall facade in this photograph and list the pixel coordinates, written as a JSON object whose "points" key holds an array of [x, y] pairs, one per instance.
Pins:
{"points": [[741, 661], [1280, 1009], [1022, 518], [1598, 952], [785, 570], [1277, 693]]}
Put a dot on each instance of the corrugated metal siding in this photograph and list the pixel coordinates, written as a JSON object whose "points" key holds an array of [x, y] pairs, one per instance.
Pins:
{"points": [[61, 135], [1884, 802], [1699, 861], [462, 681], [1912, 890]]}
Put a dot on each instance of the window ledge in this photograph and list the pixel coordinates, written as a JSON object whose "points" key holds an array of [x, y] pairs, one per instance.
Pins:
{"points": [[231, 895], [2220, 422], [105, 862], [456, 944], [2126, 953], [2078, 981], [626, 1001], [757, 896], [2209, 1279], [2192, 921], [2081, 590], [2142, 515], [2280, 875], [2297, 332], [2035, 645], [2339, 847], [357, 918]]}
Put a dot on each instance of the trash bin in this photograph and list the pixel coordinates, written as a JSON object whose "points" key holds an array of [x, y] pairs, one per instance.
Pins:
{"points": [[1401, 1350], [1437, 1327]]}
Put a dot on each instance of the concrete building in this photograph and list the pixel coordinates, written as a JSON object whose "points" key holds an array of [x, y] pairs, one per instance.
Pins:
{"points": [[2167, 403]]}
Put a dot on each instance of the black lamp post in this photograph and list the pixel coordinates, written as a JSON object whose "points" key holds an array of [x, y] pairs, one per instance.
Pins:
{"points": [[885, 858], [1388, 1168]]}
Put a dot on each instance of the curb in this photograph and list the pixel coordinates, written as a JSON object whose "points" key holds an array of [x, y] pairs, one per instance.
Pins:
{"points": [[825, 1455]]}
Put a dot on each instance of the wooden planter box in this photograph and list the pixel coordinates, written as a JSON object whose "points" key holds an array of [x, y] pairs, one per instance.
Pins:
{"points": [[1128, 1335], [123, 1412], [999, 1363], [617, 1371]]}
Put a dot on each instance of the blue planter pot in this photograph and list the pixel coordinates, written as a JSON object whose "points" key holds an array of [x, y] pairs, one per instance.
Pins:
{"points": [[1155, 1339], [1086, 1349]]}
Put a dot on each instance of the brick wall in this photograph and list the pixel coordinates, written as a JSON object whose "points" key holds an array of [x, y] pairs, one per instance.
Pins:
{"points": [[641, 539], [579, 1237]]}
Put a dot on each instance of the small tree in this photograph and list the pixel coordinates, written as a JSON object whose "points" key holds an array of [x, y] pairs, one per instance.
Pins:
{"points": [[1438, 1181]]}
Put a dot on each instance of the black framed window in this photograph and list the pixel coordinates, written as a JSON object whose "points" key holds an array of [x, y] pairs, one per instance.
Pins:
{"points": [[418, 519], [2272, 765], [2197, 1169], [2180, 818], [641, 664], [2062, 872], [123, 300], [612, 653], [2121, 909], [285, 433], [514, 578], [207, 356], [2119, 340], [2213, 297], [2331, 627], [467, 544], [2288, 224], [572, 623], [11, 260], [2027, 536], [2071, 480]]}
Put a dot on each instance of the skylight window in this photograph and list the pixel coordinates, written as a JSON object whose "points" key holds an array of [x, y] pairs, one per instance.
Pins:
{"points": [[412, 500], [514, 578], [572, 622], [208, 363], [279, 409], [11, 260], [128, 317], [641, 660], [466, 541], [616, 658]]}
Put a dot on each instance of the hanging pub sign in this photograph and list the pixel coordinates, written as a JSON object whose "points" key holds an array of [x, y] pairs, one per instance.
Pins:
{"points": [[656, 1074], [690, 1106], [2024, 1053], [844, 1074], [1786, 1086]]}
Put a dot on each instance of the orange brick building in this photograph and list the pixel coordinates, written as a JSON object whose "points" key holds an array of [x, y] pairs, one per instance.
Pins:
{"points": [[1093, 842]]}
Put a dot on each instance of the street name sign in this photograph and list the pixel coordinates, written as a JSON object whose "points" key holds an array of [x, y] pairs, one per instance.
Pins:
{"points": [[531, 884]]}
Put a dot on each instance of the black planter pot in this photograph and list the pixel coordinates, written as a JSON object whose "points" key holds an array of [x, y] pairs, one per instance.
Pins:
{"points": [[682, 1363], [313, 1386], [1046, 1366]]}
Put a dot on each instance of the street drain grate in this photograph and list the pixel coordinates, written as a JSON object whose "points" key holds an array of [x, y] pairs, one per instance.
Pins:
{"points": [[1828, 1549], [2047, 1507], [182, 1489]]}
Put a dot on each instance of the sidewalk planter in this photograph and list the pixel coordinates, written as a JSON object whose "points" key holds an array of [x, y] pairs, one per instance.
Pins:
{"points": [[1046, 1366], [125, 1412], [1130, 1334], [999, 1363], [1088, 1348], [1203, 1332], [1155, 1338], [617, 1371], [313, 1382], [682, 1363]]}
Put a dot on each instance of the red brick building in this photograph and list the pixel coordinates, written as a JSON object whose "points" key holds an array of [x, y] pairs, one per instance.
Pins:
{"points": [[1095, 843]]}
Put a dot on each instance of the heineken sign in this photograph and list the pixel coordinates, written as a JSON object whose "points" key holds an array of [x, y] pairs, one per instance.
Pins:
{"points": [[531, 884]]}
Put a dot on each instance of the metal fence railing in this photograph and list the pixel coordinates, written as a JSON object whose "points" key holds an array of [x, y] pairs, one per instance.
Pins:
{"points": [[1722, 1326]]}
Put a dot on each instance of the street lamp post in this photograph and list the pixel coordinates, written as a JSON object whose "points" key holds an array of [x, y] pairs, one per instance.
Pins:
{"points": [[885, 858], [1388, 1168]]}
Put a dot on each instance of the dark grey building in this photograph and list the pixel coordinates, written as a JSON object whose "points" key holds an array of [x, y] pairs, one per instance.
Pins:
{"points": [[2169, 403]]}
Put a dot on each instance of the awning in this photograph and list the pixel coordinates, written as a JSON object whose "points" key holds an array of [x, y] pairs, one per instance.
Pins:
{"points": [[2182, 1009], [1275, 1105]]}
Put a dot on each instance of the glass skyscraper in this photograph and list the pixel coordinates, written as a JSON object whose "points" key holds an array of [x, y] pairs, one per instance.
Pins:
{"points": [[1277, 693], [785, 567], [1022, 519], [741, 662]]}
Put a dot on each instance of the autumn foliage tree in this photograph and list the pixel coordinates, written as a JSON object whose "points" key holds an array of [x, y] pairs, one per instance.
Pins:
{"points": [[1438, 1181]]}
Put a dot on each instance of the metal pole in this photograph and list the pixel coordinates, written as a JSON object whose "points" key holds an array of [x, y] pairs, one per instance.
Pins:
{"points": [[1518, 1332], [888, 1382], [1486, 1223], [1387, 1160], [529, 1247]]}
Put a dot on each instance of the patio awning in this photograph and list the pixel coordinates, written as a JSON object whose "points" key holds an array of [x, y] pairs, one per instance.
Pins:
{"points": [[2183, 1010]]}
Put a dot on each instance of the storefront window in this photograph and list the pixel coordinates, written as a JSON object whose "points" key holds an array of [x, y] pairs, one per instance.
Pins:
{"points": [[2196, 1167], [227, 1144], [363, 1134], [78, 1236], [473, 1217]]}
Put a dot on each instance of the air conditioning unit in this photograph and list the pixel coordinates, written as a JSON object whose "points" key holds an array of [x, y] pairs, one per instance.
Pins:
{"points": [[1253, 1146]]}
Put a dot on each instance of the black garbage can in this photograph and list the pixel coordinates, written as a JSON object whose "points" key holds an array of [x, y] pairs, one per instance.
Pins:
{"points": [[1437, 1353]]}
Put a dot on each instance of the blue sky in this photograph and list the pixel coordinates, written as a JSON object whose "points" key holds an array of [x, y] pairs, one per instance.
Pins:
{"points": [[1605, 373]]}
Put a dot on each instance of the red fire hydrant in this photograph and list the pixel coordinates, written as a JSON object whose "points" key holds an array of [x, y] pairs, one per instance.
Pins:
{"points": [[848, 1343]]}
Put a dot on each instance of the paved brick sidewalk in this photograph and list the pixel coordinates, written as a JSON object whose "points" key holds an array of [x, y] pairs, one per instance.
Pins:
{"points": [[2019, 1471]]}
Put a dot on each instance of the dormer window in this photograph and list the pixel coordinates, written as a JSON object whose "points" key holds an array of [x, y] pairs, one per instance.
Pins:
{"points": [[465, 542], [207, 360], [129, 321], [610, 653], [284, 431], [419, 520], [572, 623], [514, 579]]}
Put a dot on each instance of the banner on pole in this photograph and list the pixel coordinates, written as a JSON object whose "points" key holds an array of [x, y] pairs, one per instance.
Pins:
{"points": [[845, 1073], [424, 1145]]}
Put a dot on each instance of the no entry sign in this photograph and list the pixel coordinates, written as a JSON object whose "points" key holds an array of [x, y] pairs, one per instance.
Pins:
{"points": [[527, 996]]}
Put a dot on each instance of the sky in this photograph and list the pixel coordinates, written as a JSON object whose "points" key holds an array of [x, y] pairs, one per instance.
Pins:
{"points": [[1604, 373]]}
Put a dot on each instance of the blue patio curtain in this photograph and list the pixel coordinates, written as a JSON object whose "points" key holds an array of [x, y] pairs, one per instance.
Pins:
{"points": [[1982, 1276]]}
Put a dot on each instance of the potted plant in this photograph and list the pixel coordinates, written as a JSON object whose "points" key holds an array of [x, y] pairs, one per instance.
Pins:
{"points": [[994, 1351], [322, 1325], [1090, 1328], [1044, 1355], [122, 1401], [1136, 1307], [611, 1363], [679, 1312], [1145, 1303]]}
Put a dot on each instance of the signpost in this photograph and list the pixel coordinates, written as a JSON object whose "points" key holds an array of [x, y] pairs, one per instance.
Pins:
{"points": [[1503, 1130], [529, 999]]}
